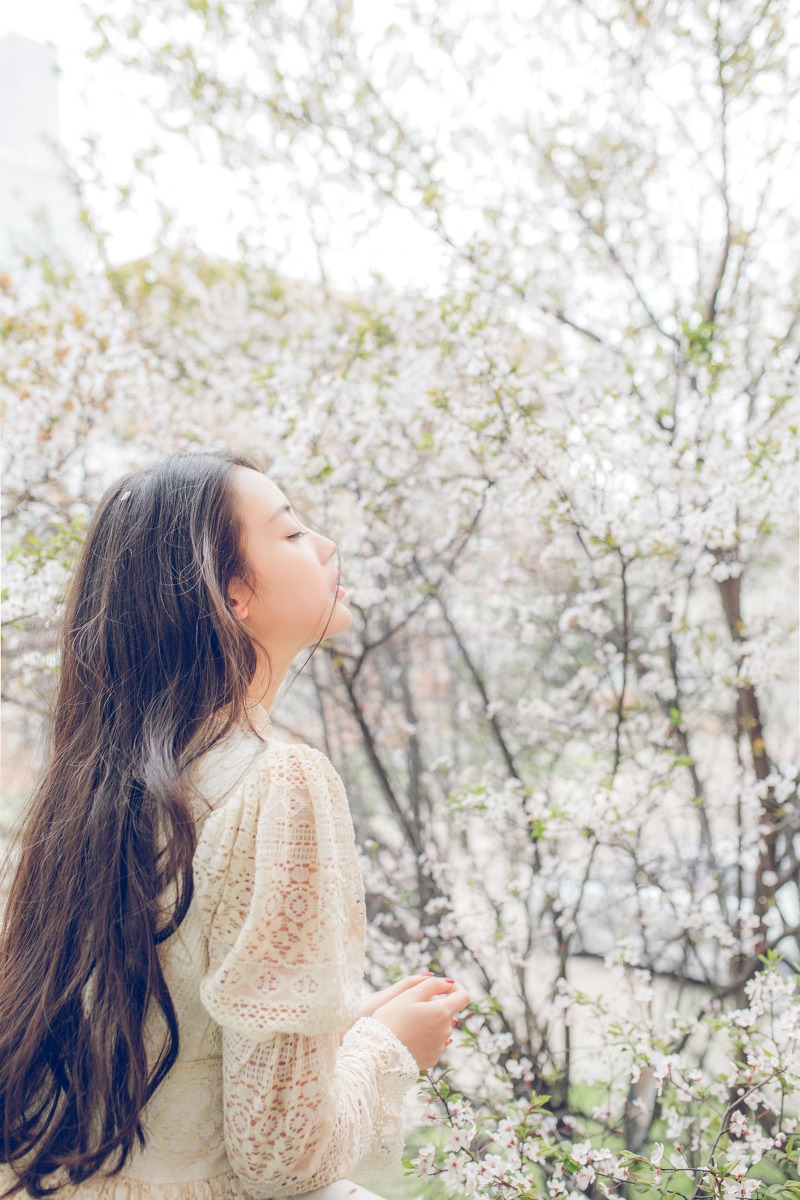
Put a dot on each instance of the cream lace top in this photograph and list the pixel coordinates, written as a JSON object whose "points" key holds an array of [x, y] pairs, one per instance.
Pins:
{"points": [[280, 1087]]}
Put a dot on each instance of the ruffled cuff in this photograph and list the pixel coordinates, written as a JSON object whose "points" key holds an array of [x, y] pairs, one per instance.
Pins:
{"points": [[397, 1072], [394, 1056]]}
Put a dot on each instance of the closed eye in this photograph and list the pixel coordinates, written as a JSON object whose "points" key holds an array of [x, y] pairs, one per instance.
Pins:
{"points": [[300, 533]]}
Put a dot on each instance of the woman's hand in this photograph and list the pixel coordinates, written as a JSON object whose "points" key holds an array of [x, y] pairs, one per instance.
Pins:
{"points": [[374, 1002], [422, 1016]]}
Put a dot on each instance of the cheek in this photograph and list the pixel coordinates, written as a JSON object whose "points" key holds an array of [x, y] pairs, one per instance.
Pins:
{"points": [[295, 597]]}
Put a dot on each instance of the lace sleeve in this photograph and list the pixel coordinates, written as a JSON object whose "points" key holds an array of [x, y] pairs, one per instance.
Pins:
{"points": [[280, 891]]}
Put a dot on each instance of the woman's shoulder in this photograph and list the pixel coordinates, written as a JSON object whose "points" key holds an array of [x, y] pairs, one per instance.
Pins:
{"points": [[250, 754], [240, 754], [283, 816]]}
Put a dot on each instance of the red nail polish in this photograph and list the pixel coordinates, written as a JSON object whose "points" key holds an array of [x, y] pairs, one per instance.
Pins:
{"points": [[449, 980]]}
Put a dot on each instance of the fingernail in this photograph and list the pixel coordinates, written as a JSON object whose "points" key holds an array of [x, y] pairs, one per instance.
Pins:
{"points": [[449, 980], [426, 972], [455, 1020]]}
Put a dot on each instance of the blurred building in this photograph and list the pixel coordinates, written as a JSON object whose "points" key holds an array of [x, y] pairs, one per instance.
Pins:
{"points": [[38, 210]]}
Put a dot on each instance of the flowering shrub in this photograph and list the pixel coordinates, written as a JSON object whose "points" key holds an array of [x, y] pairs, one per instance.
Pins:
{"points": [[730, 1131], [546, 770]]}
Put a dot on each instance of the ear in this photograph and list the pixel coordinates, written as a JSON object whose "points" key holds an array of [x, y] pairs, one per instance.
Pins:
{"points": [[238, 596]]}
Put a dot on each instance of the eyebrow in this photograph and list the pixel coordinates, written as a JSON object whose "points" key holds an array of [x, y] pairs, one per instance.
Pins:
{"points": [[277, 513]]}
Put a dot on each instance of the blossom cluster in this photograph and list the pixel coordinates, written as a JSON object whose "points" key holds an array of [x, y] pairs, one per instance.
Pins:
{"points": [[720, 1127]]}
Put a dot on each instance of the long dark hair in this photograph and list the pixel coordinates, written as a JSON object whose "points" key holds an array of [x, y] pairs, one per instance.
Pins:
{"points": [[154, 670]]}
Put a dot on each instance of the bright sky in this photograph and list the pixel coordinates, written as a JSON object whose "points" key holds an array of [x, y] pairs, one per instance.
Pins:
{"points": [[202, 195]]}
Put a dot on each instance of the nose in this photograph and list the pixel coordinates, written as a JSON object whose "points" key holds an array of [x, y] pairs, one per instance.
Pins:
{"points": [[333, 546]]}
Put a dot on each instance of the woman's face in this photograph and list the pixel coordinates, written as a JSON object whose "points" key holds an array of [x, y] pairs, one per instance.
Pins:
{"points": [[294, 573]]}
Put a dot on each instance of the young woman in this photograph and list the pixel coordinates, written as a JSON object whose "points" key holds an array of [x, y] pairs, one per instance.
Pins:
{"points": [[182, 952]]}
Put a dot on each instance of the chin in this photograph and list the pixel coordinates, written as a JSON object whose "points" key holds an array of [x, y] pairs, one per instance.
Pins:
{"points": [[343, 619]]}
